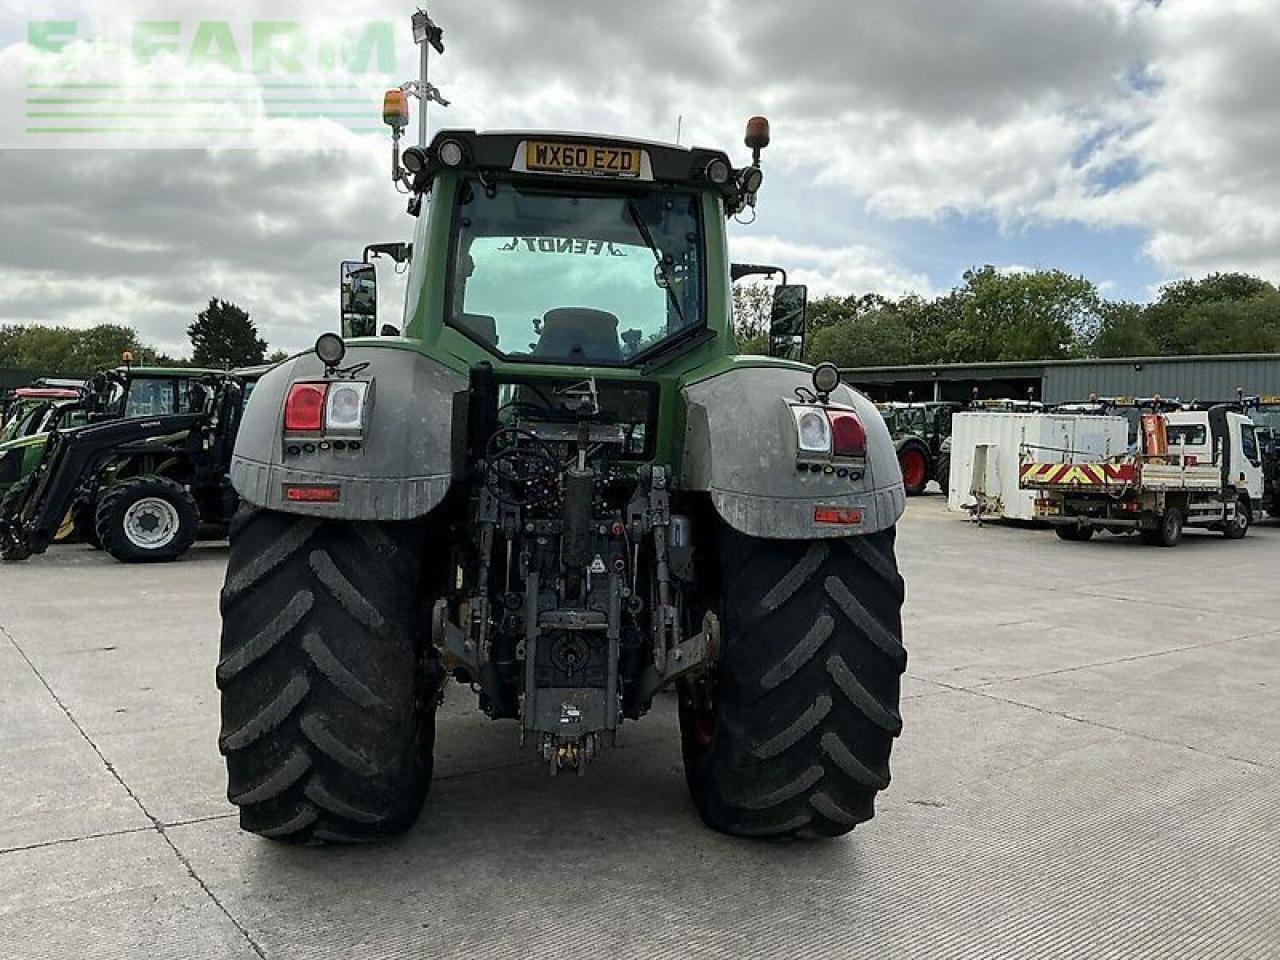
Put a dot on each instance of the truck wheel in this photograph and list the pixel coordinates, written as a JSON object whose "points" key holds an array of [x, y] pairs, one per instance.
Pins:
{"points": [[791, 737], [328, 686], [913, 458], [146, 519], [1168, 533], [1074, 532], [1237, 528]]}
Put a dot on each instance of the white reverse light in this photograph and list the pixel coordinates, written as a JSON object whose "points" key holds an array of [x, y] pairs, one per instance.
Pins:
{"points": [[344, 406], [813, 430]]}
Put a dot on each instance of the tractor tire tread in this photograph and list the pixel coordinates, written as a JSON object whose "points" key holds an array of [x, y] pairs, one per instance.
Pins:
{"points": [[803, 735], [321, 639]]}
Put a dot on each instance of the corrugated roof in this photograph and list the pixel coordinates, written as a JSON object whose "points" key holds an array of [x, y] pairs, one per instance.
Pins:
{"points": [[1041, 364]]}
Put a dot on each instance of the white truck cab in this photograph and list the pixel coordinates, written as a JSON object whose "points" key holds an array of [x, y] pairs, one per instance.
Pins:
{"points": [[1190, 431]]}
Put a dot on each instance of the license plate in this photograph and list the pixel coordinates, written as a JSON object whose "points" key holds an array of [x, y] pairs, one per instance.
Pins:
{"points": [[582, 159]]}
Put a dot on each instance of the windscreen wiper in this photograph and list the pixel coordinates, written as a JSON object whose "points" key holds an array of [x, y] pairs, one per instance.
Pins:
{"points": [[645, 235]]}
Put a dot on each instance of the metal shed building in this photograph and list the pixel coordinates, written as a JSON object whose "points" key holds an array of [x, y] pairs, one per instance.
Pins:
{"points": [[1058, 381]]}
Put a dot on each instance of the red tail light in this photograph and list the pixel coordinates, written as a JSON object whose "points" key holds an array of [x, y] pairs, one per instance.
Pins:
{"points": [[848, 436], [304, 407], [312, 493], [844, 516]]}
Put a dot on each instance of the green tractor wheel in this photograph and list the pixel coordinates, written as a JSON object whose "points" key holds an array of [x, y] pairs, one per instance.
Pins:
{"points": [[792, 737], [329, 686]]}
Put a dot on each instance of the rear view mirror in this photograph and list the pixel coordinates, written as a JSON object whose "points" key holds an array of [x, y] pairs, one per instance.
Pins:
{"points": [[359, 299], [786, 322]]}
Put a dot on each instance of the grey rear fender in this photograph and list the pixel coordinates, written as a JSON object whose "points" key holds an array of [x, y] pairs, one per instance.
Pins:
{"points": [[740, 446], [407, 455]]}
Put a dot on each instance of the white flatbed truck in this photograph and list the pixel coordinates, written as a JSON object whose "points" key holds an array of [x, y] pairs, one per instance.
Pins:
{"points": [[1197, 469]]}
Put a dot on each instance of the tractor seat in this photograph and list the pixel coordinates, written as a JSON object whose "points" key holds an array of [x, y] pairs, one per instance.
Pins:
{"points": [[579, 334]]}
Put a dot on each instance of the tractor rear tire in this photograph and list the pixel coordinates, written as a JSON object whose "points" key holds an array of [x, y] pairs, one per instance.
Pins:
{"points": [[146, 519], [913, 459], [791, 738], [329, 686]]}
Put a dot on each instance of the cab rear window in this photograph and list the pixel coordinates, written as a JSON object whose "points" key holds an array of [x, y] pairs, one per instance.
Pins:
{"points": [[1192, 434]]}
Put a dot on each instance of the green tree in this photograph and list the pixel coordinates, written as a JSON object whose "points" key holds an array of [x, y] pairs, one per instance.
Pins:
{"points": [[67, 351], [1220, 313], [880, 338], [1041, 315], [224, 336], [752, 303], [1214, 288], [277, 356], [832, 311], [1123, 331]]}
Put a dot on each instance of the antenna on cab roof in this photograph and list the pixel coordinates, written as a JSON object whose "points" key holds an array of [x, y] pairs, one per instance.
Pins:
{"points": [[395, 105]]}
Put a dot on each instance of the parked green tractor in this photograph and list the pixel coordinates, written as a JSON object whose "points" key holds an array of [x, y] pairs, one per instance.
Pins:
{"points": [[919, 431], [562, 487], [30, 413], [142, 475]]}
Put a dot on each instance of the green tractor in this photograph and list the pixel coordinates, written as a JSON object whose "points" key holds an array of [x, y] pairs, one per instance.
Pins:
{"points": [[561, 487], [920, 432], [140, 471], [30, 413]]}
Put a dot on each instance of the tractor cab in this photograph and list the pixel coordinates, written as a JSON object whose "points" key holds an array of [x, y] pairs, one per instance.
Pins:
{"points": [[544, 250], [31, 409], [131, 391]]}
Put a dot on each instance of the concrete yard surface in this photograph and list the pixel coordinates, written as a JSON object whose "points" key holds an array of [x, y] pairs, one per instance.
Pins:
{"points": [[1090, 767]]}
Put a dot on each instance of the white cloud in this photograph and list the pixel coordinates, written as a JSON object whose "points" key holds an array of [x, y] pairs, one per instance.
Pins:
{"points": [[1206, 183], [830, 270], [1102, 112]]}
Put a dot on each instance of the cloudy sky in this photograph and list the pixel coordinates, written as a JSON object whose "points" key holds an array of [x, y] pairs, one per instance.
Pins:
{"points": [[1127, 140]]}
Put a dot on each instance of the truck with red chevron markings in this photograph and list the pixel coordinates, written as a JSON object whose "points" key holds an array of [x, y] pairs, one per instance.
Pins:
{"points": [[1195, 468]]}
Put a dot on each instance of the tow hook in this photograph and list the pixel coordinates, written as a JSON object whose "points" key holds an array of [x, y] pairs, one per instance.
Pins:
{"points": [[688, 657]]}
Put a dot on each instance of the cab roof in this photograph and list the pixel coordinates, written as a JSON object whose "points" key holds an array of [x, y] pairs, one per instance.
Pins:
{"points": [[192, 372], [254, 372], [500, 151], [46, 393]]}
